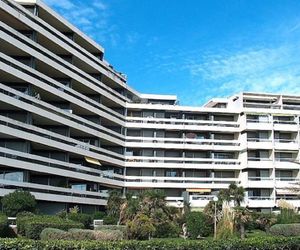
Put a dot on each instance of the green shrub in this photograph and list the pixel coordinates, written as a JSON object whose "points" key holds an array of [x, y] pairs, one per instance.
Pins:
{"points": [[285, 230], [198, 225], [81, 234], [85, 219], [265, 243], [18, 201], [287, 216], [140, 228], [3, 225], [108, 235], [99, 215], [110, 220], [32, 226], [112, 227], [167, 229], [53, 234]]}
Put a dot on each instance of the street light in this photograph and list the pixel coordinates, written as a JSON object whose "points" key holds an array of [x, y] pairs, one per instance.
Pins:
{"points": [[215, 199]]}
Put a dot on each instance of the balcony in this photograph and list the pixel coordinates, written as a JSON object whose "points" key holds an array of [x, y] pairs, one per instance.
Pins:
{"points": [[200, 200], [259, 143], [287, 163], [171, 123], [174, 182], [282, 125], [286, 144], [257, 162], [260, 201], [286, 182], [256, 124], [260, 182], [185, 163], [179, 143]]}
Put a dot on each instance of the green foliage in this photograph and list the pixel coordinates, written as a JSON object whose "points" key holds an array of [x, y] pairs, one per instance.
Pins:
{"points": [[32, 226], [287, 216], [121, 228], [99, 215], [18, 201], [80, 234], [113, 204], [140, 228], [110, 220], [198, 225], [263, 221], [53, 234], [3, 225], [285, 230], [85, 219], [167, 229], [262, 243]]}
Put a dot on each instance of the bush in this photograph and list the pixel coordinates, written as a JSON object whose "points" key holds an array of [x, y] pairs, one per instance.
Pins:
{"points": [[112, 227], [110, 220], [3, 225], [53, 234], [32, 226], [198, 225], [285, 230], [287, 216], [80, 234], [167, 229], [99, 215], [266, 243], [140, 228], [85, 219], [18, 201], [108, 235]]}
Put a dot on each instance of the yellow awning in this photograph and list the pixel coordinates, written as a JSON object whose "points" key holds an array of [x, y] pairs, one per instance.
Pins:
{"points": [[93, 161], [199, 190]]}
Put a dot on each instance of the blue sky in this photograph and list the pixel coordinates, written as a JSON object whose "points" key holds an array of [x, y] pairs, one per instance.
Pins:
{"points": [[195, 49]]}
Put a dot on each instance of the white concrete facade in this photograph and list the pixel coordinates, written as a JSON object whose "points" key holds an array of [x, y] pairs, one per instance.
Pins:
{"points": [[71, 128]]}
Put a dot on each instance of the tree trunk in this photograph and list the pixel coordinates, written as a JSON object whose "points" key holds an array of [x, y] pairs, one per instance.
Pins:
{"points": [[242, 230]]}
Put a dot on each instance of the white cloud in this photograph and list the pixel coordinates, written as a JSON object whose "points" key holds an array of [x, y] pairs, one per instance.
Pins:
{"points": [[271, 70], [64, 4], [92, 17]]}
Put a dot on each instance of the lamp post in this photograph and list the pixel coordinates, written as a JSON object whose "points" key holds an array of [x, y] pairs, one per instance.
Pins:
{"points": [[215, 199]]}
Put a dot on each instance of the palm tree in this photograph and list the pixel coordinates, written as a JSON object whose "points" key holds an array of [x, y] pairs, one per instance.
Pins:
{"points": [[237, 194], [242, 216]]}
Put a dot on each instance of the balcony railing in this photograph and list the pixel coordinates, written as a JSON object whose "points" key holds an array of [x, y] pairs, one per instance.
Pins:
{"points": [[258, 159], [259, 140], [172, 121], [286, 159], [182, 141], [260, 198], [153, 159], [250, 178]]}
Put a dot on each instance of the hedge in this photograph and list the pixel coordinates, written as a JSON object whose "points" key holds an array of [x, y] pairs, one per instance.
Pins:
{"points": [[111, 227], [285, 230], [32, 226], [3, 225], [266, 243], [80, 234]]}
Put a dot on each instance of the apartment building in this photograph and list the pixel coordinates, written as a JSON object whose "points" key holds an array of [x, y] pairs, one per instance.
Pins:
{"points": [[72, 129]]}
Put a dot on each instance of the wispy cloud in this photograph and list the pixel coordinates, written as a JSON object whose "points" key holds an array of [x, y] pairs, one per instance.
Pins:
{"points": [[272, 70], [92, 17]]}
